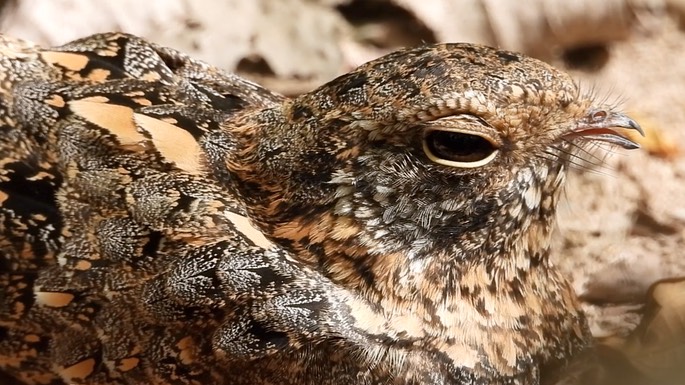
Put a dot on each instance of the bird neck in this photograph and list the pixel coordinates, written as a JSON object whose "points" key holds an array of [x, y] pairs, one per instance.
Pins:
{"points": [[497, 306], [501, 316]]}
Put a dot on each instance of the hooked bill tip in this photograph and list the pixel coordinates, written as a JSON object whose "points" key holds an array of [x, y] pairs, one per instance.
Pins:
{"points": [[635, 126]]}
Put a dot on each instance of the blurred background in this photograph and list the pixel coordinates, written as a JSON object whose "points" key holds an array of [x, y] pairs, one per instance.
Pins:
{"points": [[622, 223]]}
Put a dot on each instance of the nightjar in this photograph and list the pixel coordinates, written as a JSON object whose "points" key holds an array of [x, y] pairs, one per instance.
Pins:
{"points": [[165, 222]]}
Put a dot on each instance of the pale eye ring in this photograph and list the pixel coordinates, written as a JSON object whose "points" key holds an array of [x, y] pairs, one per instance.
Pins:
{"points": [[458, 148]]}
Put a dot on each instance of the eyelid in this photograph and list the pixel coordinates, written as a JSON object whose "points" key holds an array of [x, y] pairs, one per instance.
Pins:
{"points": [[466, 124]]}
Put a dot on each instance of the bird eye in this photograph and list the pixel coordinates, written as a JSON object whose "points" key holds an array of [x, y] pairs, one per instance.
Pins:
{"points": [[458, 149]]}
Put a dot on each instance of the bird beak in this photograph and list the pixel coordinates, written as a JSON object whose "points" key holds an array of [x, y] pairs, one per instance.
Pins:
{"points": [[599, 125]]}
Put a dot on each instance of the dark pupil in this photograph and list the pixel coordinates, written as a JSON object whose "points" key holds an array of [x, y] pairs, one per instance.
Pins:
{"points": [[458, 147]]}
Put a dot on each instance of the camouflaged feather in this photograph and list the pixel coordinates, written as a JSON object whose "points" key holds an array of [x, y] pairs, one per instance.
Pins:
{"points": [[129, 172]]}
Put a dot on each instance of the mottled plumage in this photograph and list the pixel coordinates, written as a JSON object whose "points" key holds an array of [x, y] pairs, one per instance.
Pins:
{"points": [[162, 221]]}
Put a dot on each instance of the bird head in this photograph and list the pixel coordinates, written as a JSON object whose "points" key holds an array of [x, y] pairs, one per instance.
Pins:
{"points": [[454, 150]]}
